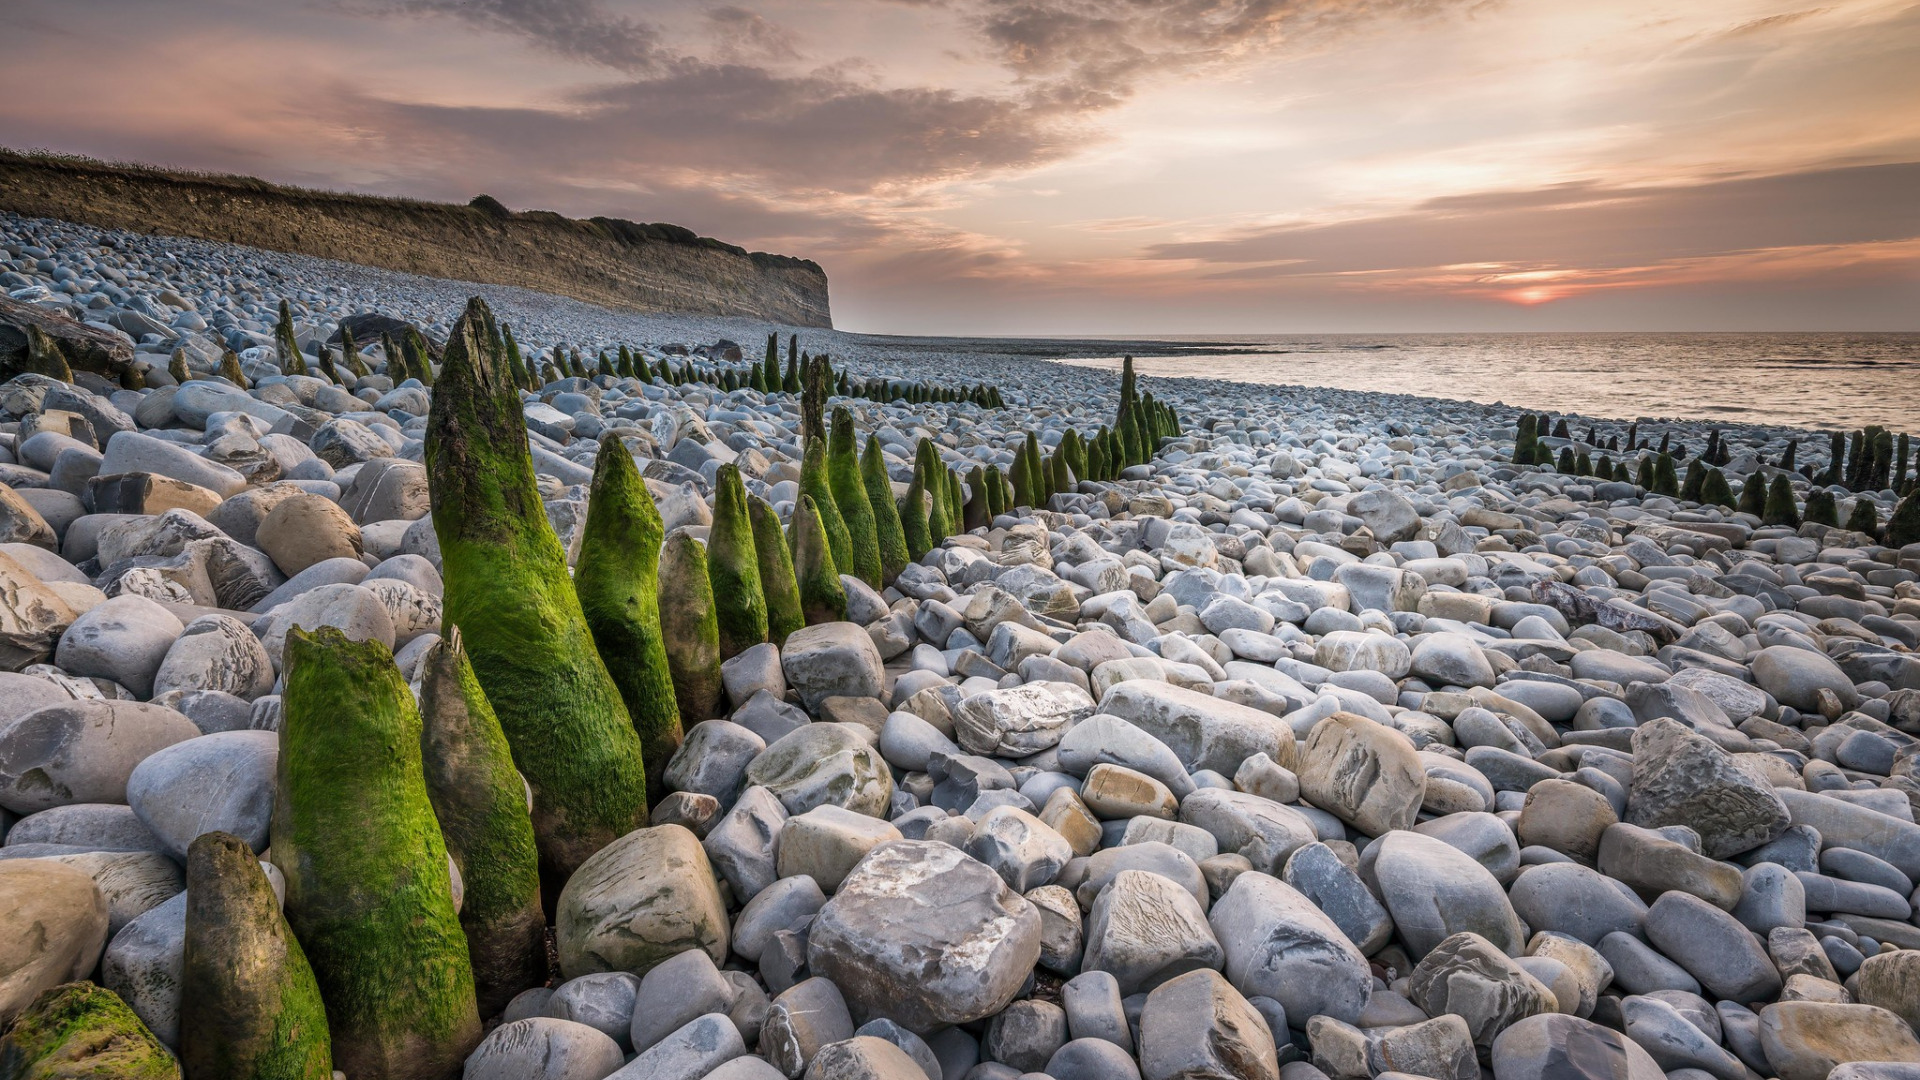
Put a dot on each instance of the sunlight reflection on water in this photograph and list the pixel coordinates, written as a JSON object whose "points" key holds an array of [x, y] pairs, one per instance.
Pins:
{"points": [[1802, 380]]}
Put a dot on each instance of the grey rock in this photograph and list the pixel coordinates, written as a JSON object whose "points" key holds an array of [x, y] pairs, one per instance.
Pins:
{"points": [[1279, 945], [1680, 778], [123, 639], [1713, 947], [214, 783], [1470, 976], [1198, 1025], [925, 936], [1145, 929]]}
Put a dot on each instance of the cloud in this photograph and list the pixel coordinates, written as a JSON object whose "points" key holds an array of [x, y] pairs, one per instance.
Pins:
{"points": [[1588, 226], [574, 29]]}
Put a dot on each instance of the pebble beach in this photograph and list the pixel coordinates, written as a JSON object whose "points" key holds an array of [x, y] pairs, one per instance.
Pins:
{"points": [[366, 719]]}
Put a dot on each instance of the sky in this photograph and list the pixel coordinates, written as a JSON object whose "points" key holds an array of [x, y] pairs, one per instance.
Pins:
{"points": [[1087, 166]]}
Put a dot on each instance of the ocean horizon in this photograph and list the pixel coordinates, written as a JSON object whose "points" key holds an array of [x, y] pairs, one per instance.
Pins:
{"points": [[1815, 380]]}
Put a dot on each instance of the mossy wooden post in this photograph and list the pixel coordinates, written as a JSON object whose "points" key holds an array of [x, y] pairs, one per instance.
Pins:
{"points": [[691, 628], [777, 583], [956, 501], [996, 486], [822, 598], [939, 516], [850, 496], [481, 804], [286, 344], [350, 354], [249, 1006], [508, 591], [1865, 517], [1780, 508], [814, 483], [976, 515], [421, 367], [1903, 526], [1821, 508], [1753, 495], [1060, 475], [733, 566], [230, 369], [914, 514], [888, 533], [369, 893], [45, 358], [177, 367], [1717, 491]]}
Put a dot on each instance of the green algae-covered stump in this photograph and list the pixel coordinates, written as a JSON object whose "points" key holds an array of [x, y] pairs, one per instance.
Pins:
{"points": [[814, 483], [481, 804], [249, 1006], [691, 628], [368, 888], [914, 511], [618, 582], [733, 565], [822, 597], [776, 572], [77, 1030], [850, 495], [508, 591], [888, 533]]}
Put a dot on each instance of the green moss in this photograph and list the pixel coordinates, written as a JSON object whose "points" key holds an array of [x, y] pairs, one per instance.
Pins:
{"points": [[975, 514], [1865, 517], [956, 501], [1903, 527], [1060, 476], [814, 483], [1753, 495], [1780, 508], [78, 1029], [914, 513], [888, 533], [931, 476], [777, 583], [508, 591], [850, 496], [419, 365], [691, 628], [230, 369], [286, 346], [733, 565], [1716, 491], [1821, 508], [177, 366], [822, 598], [249, 1005], [481, 805], [368, 890]]}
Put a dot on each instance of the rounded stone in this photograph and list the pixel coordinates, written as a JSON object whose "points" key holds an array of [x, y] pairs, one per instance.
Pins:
{"points": [[123, 639]]}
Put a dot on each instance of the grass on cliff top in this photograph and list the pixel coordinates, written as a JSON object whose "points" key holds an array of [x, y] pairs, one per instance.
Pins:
{"points": [[482, 207]]}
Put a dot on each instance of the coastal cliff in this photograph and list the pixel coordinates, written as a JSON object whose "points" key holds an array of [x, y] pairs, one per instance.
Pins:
{"points": [[620, 264]]}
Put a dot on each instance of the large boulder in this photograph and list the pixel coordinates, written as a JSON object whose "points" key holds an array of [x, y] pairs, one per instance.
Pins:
{"points": [[824, 765], [1019, 720], [1279, 945], [1362, 772], [925, 936], [123, 639], [833, 659], [637, 901], [222, 782], [1434, 891], [1795, 677], [82, 752], [56, 925], [1470, 976], [1206, 732], [1680, 778], [32, 616]]}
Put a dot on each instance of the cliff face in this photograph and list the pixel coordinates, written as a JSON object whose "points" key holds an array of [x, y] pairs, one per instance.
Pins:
{"points": [[621, 264]]}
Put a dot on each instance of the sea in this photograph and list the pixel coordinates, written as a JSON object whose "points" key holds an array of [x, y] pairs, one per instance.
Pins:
{"points": [[1808, 380]]}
